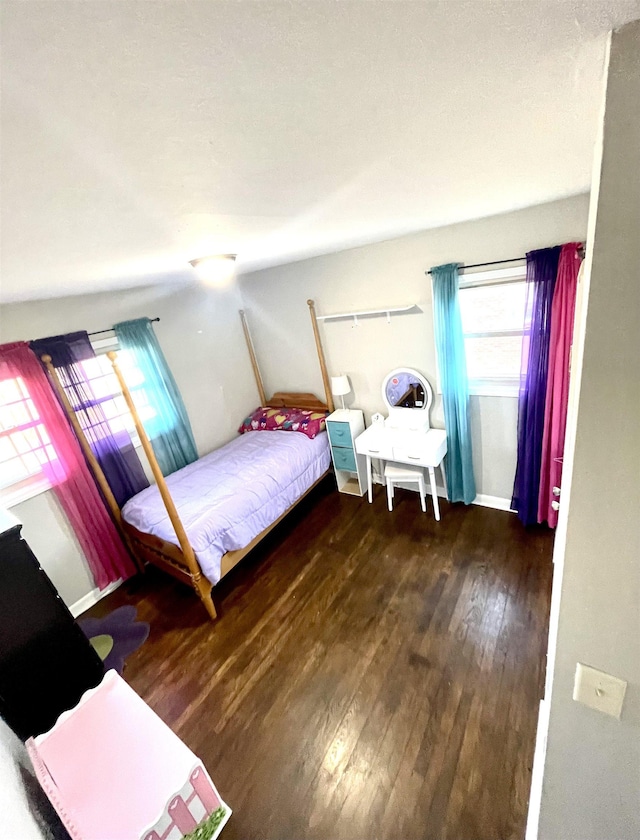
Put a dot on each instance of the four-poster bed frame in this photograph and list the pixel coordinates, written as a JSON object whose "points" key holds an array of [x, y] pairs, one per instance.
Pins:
{"points": [[181, 561]]}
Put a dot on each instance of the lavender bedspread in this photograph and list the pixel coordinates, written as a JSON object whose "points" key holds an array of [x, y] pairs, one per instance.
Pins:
{"points": [[228, 497]]}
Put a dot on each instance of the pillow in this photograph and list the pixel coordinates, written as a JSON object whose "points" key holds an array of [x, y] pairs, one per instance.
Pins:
{"points": [[310, 423]]}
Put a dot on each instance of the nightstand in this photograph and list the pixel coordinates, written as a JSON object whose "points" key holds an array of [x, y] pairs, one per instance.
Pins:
{"points": [[343, 427]]}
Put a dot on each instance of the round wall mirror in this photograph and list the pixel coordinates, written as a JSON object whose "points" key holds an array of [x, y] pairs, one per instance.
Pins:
{"points": [[406, 388]]}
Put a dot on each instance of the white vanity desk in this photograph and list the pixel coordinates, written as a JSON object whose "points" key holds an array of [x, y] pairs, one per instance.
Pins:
{"points": [[404, 446], [405, 437]]}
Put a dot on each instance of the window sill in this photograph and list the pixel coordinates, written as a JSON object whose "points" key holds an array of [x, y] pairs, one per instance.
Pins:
{"points": [[478, 388], [493, 389], [22, 492], [12, 496]]}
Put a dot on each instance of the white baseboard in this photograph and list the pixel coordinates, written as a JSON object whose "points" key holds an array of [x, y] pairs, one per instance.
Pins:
{"points": [[482, 499], [92, 598], [496, 502]]}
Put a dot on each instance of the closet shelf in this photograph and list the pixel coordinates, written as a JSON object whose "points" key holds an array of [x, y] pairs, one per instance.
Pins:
{"points": [[387, 310]]}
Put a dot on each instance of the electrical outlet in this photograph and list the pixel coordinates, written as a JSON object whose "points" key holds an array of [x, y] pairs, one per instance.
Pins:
{"points": [[598, 690]]}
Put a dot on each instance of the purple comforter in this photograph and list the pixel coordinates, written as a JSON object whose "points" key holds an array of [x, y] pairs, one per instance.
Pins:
{"points": [[232, 494]]}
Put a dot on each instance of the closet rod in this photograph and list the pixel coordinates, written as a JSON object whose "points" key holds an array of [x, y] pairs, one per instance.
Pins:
{"points": [[481, 265], [99, 332]]}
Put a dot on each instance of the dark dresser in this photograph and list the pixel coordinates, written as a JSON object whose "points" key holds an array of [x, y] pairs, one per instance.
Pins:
{"points": [[46, 662]]}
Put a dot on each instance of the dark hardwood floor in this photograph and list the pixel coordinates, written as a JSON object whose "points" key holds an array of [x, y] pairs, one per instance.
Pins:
{"points": [[371, 674]]}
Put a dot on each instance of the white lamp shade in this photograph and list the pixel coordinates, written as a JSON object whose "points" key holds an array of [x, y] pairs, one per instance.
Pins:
{"points": [[340, 385]]}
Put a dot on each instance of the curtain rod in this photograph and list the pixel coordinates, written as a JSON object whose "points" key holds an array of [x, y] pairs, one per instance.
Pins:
{"points": [[481, 265], [110, 329]]}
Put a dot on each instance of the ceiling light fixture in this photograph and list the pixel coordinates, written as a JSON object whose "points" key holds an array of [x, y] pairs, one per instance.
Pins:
{"points": [[215, 270]]}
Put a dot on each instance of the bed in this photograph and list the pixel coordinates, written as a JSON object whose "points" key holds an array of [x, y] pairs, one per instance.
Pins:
{"points": [[200, 521], [232, 495]]}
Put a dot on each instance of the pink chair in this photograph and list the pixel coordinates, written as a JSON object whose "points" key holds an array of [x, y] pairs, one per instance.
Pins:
{"points": [[114, 770]]}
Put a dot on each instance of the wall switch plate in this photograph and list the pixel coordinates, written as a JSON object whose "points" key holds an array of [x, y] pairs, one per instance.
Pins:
{"points": [[598, 690]]}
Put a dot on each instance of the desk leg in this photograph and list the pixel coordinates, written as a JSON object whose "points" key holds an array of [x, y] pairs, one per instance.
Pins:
{"points": [[369, 480], [444, 478], [434, 493]]}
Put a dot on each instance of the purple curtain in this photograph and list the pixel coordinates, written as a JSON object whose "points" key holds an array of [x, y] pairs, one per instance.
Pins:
{"points": [[113, 450], [542, 269]]}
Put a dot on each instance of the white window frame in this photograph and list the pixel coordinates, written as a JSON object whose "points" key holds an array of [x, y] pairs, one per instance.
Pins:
{"points": [[494, 386], [28, 487]]}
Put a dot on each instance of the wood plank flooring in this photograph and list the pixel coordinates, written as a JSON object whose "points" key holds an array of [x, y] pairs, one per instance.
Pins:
{"points": [[371, 675]]}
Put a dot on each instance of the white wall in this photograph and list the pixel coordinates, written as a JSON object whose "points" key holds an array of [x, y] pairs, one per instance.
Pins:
{"points": [[392, 273], [591, 783], [202, 338]]}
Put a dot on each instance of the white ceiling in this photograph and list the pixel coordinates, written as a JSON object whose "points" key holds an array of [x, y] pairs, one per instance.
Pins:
{"points": [[137, 135]]}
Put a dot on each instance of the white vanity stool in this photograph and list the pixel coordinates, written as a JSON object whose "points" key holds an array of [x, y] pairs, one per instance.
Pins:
{"points": [[396, 475]]}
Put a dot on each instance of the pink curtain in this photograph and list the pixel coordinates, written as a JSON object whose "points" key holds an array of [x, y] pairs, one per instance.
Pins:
{"points": [[555, 415], [68, 472]]}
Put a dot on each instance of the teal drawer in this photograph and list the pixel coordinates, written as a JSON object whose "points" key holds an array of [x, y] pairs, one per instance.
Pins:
{"points": [[339, 433], [344, 459]]}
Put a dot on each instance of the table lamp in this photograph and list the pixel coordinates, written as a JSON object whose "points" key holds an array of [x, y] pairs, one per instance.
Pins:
{"points": [[340, 386]]}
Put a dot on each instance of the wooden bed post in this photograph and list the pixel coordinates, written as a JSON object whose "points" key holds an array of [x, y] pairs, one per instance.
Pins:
{"points": [[88, 454], [252, 356], [200, 584], [321, 359]]}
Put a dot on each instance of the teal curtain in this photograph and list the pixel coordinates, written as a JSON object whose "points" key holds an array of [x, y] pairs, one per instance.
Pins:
{"points": [[453, 379], [169, 429]]}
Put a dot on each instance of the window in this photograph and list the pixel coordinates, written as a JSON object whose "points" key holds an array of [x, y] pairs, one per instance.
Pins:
{"points": [[492, 306], [24, 443], [106, 389], [25, 446]]}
